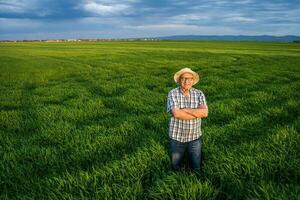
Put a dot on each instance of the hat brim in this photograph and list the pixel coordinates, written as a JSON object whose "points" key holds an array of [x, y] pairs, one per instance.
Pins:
{"points": [[186, 70]]}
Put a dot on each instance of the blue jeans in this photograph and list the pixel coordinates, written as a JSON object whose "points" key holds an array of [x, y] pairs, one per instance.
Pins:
{"points": [[178, 149]]}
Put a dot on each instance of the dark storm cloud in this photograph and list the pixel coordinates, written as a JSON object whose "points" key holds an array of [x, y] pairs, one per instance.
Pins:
{"points": [[130, 18]]}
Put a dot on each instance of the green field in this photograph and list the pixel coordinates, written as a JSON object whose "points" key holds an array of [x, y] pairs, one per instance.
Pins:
{"points": [[89, 121]]}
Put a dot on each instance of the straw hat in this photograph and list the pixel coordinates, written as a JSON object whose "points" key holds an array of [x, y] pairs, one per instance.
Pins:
{"points": [[186, 70]]}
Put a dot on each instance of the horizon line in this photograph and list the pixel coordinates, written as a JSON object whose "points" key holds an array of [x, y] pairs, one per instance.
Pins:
{"points": [[149, 37]]}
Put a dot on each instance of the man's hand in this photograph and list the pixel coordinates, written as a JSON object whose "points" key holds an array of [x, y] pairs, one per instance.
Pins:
{"points": [[200, 112], [181, 114], [189, 113]]}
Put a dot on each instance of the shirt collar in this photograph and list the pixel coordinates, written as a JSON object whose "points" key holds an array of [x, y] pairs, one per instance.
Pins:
{"points": [[180, 91]]}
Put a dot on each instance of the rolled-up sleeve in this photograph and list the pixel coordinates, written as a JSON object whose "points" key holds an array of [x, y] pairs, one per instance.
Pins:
{"points": [[171, 102]]}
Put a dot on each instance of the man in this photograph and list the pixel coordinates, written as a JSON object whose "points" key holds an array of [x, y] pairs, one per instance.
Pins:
{"points": [[187, 106]]}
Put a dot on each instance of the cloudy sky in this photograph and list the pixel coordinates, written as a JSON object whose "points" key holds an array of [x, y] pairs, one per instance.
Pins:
{"points": [[52, 19]]}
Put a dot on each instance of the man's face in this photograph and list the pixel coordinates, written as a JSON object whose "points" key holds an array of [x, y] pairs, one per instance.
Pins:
{"points": [[186, 81]]}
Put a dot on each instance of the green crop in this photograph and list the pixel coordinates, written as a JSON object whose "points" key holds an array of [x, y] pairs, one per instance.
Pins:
{"points": [[88, 120]]}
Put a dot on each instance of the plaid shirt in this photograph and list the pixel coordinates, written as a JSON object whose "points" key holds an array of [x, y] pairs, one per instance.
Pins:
{"points": [[185, 130]]}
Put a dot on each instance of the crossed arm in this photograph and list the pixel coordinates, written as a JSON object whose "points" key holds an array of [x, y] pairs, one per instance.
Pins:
{"points": [[189, 113]]}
